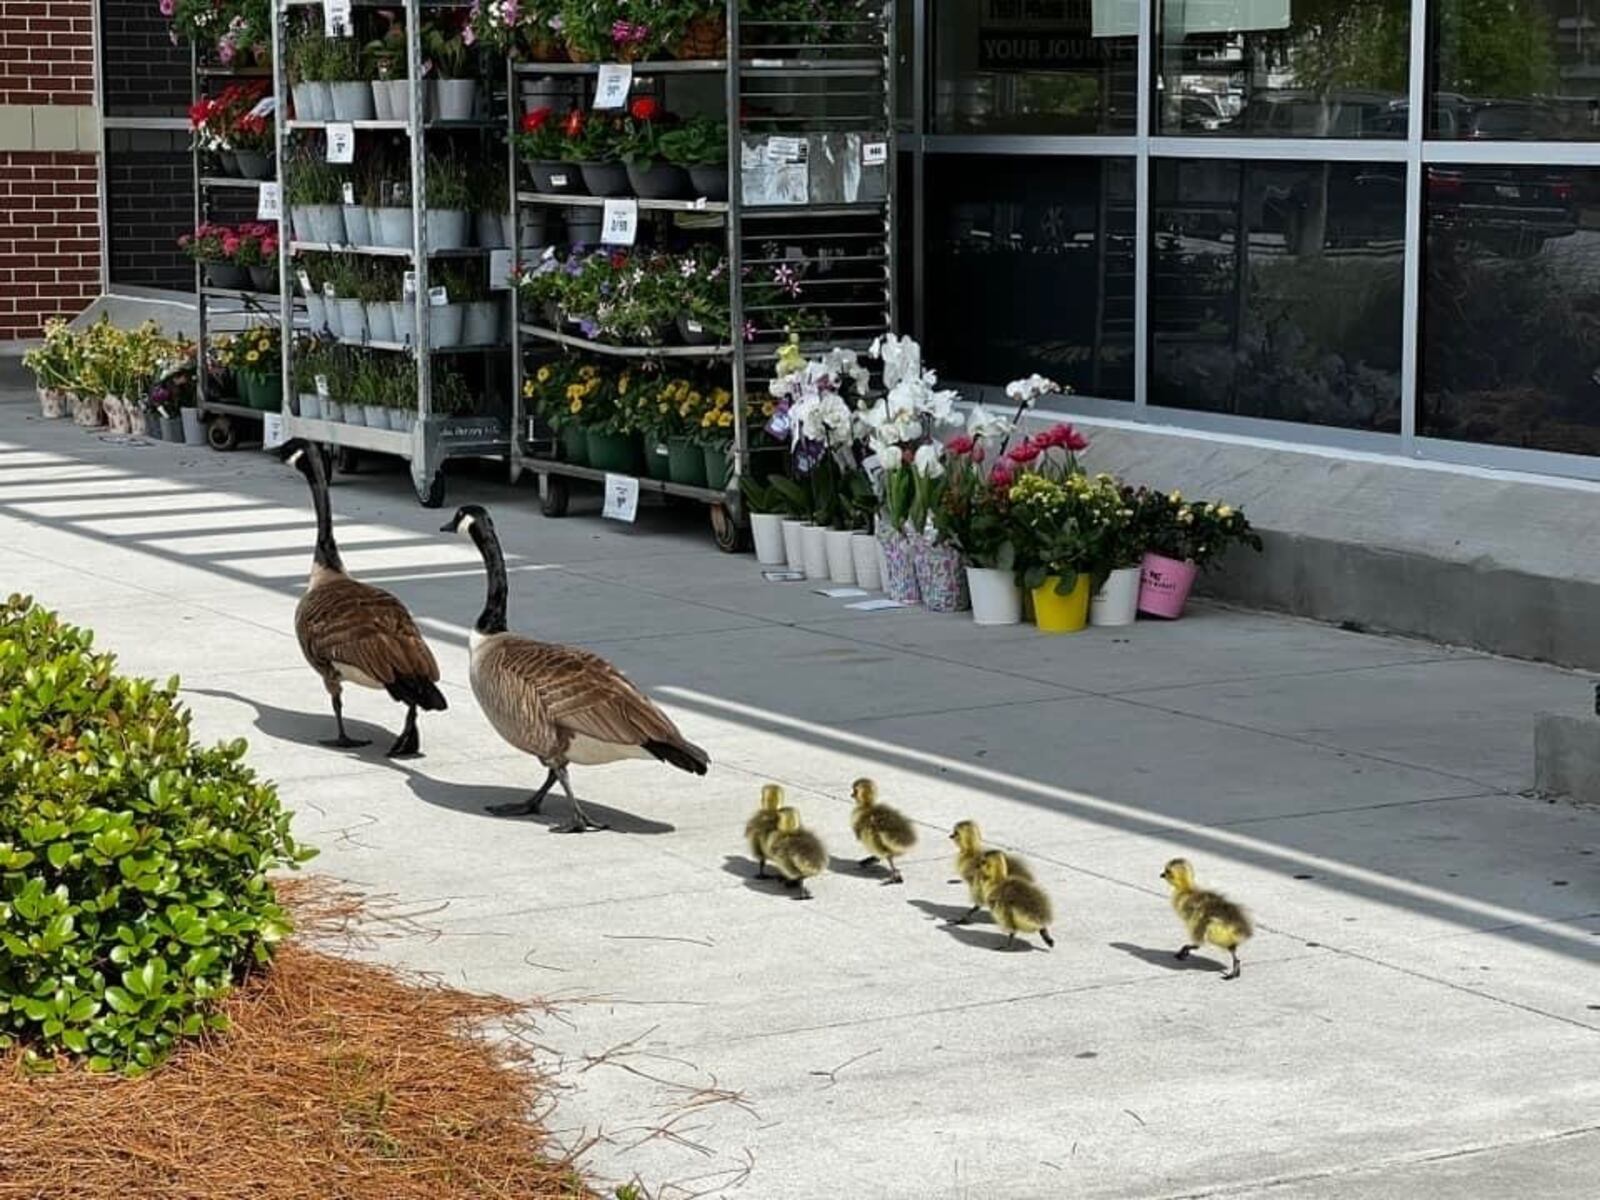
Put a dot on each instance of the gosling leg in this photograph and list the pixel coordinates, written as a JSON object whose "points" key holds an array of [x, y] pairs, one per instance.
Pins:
{"points": [[1184, 953], [1048, 940], [968, 915], [1011, 942], [1234, 973], [802, 893], [409, 743], [529, 806], [344, 741], [867, 861], [761, 869], [580, 819], [894, 874]]}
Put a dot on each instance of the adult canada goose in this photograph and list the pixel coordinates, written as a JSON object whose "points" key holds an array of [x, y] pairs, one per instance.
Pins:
{"points": [[352, 632], [561, 705]]}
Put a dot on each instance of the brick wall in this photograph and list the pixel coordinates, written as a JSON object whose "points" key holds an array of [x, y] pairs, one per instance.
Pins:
{"points": [[49, 176], [46, 52]]}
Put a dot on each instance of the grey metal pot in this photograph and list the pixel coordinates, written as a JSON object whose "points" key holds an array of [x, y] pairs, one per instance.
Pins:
{"points": [[391, 99], [481, 326], [352, 320], [448, 229], [352, 100], [394, 227], [401, 419], [535, 229], [380, 321], [357, 225], [583, 224], [377, 416], [404, 315], [331, 318], [327, 223], [316, 313], [452, 99], [354, 414], [311, 406], [172, 429], [492, 230], [446, 323], [312, 101]]}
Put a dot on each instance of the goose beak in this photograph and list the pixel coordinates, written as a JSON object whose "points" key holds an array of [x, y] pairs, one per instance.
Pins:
{"points": [[448, 527]]}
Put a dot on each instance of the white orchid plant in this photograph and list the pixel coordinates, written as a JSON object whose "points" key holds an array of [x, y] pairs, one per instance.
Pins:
{"points": [[814, 408], [903, 429]]}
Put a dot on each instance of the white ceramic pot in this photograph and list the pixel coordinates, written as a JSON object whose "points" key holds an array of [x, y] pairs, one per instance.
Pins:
{"points": [[864, 549], [996, 598], [841, 560], [767, 530], [794, 551], [1117, 603], [814, 547]]}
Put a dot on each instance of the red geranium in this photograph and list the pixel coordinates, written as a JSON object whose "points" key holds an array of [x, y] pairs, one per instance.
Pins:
{"points": [[573, 125], [536, 119], [645, 108]]}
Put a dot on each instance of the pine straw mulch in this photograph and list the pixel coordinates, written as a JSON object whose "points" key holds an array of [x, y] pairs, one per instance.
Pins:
{"points": [[340, 1079]]}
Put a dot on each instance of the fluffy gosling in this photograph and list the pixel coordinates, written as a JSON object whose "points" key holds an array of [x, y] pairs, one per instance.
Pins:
{"points": [[796, 852], [759, 827], [884, 832], [969, 857], [1018, 905], [1208, 916]]}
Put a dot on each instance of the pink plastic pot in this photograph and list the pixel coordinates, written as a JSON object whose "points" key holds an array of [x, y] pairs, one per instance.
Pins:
{"points": [[1164, 585]]}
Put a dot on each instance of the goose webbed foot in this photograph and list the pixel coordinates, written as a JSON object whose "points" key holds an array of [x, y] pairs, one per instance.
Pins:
{"points": [[528, 807], [409, 743], [344, 741], [580, 819]]}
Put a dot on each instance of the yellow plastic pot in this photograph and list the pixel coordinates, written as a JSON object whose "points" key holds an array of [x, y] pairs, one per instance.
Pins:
{"points": [[1054, 612]]}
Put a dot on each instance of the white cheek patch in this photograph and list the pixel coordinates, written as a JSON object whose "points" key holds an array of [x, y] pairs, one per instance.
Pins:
{"points": [[465, 528], [294, 459]]}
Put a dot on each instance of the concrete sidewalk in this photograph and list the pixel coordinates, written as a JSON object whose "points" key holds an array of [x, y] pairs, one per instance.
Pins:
{"points": [[1419, 1014]]}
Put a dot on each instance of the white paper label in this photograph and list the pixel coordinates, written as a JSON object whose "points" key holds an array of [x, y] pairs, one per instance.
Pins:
{"points": [[272, 430], [621, 223], [873, 466], [265, 107], [408, 285], [874, 605], [783, 576], [341, 142], [500, 270], [840, 593], [786, 150], [622, 498], [328, 293], [693, 326], [438, 297], [874, 154], [613, 85], [305, 282], [558, 181], [336, 18], [322, 387], [350, 194], [269, 203]]}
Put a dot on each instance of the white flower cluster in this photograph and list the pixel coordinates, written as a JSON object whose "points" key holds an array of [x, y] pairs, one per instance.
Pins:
{"points": [[1030, 391], [910, 412], [814, 389]]}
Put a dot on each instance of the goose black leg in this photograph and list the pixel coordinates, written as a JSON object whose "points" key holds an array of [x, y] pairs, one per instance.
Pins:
{"points": [[529, 806], [580, 819], [409, 743], [344, 741]]}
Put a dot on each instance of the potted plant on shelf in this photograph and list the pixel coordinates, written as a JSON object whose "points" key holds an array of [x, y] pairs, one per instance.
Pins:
{"points": [[686, 461], [260, 370], [348, 85], [307, 65], [703, 317], [452, 88], [700, 147], [543, 142], [449, 198], [314, 193], [651, 175], [594, 143], [491, 196], [254, 146], [609, 30], [716, 437], [257, 254], [213, 247], [386, 65], [447, 314], [702, 25], [1183, 539]]}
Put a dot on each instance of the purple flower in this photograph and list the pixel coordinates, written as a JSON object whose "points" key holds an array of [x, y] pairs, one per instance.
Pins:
{"points": [[589, 329], [166, 7], [225, 51], [469, 36]]}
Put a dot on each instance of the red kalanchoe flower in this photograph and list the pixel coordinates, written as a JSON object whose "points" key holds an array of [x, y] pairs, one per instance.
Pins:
{"points": [[1024, 452], [645, 108], [536, 119], [1075, 440], [961, 445]]}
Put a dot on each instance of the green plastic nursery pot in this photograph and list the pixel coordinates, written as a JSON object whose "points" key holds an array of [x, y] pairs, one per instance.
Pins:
{"points": [[575, 445], [657, 463], [268, 393], [617, 452], [686, 462], [718, 466]]}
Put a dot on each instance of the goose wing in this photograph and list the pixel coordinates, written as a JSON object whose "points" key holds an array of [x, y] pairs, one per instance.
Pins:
{"points": [[579, 694], [346, 621]]}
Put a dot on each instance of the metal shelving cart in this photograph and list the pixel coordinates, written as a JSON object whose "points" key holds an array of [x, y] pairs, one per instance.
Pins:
{"points": [[828, 105], [219, 309], [433, 437]]}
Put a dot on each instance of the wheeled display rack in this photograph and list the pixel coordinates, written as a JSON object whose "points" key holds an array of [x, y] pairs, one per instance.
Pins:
{"points": [[433, 437], [775, 84]]}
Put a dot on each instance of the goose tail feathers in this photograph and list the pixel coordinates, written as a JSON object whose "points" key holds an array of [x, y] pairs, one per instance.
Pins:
{"points": [[686, 756]]}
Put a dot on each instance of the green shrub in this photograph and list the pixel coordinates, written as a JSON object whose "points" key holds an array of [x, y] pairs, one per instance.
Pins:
{"points": [[133, 863]]}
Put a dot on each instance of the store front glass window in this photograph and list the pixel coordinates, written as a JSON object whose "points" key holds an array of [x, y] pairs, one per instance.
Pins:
{"points": [[1276, 68], [1511, 307], [1277, 288], [1516, 70], [1030, 268], [1062, 67]]}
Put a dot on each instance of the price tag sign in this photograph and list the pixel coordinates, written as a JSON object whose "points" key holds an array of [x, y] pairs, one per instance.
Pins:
{"points": [[622, 498], [500, 270], [271, 430], [322, 387], [693, 326], [408, 285], [613, 85], [350, 194], [786, 150], [341, 142], [328, 293], [558, 180], [305, 282], [269, 203], [620, 225], [438, 297], [874, 154], [336, 18]]}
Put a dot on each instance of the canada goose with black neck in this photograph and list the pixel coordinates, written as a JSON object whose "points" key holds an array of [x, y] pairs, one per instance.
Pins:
{"points": [[562, 705], [352, 632]]}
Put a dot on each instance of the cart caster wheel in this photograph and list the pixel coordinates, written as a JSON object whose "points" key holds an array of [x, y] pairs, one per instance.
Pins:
{"points": [[349, 460], [434, 496], [731, 536], [222, 433], [553, 496]]}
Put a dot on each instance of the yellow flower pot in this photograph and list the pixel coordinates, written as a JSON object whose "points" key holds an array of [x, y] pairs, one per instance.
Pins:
{"points": [[1057, 613]]}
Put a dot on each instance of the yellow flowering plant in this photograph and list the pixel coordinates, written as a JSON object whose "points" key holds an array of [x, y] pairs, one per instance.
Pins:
{"points": [[1197, 531]]}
